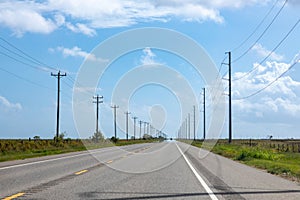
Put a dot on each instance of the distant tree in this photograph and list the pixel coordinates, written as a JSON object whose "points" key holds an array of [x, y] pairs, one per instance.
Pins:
{"points": [[36, 137], [60, 136], [270, 137], [114, 140], [147, 136], [97, 137]]}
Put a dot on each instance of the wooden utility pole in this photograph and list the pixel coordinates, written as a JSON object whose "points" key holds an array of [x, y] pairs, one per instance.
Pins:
{"points": [[127, 113], [140, 128], [194, 109], [115, 119], [58, 75], [204, 129], [97, 102], [134, 126], [229, 95]]}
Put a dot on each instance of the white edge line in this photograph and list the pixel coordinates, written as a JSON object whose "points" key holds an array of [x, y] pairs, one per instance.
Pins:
{"points": [[206, 187]]}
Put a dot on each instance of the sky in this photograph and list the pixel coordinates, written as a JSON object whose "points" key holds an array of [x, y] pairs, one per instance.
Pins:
{"points": [[39, 37]]}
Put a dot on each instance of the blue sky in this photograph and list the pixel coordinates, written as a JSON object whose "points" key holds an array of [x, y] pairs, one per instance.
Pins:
{"points": [[61, 34]]}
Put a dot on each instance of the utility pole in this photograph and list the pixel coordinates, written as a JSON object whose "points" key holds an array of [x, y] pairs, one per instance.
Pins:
{"points": [[134, 125], [58, 75], [189, 127], [204, 129], [115, 119], [127, 113], [229, 95], [145, 127], [97, 102], [194, 109], [140, 128], [186, 128]]}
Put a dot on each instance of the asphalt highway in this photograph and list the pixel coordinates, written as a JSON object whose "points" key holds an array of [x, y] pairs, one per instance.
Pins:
{"points": [[166, 170]]}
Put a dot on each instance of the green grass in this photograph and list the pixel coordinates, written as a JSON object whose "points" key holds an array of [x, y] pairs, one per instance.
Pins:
{"points": [[22, 149], [280, 163]]}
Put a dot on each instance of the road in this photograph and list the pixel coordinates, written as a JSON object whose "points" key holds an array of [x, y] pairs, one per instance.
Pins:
{"points": [[166, 170]]}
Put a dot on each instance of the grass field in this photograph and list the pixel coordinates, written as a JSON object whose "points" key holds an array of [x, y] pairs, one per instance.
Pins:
{"points": [[21, 149], [263, 155]]}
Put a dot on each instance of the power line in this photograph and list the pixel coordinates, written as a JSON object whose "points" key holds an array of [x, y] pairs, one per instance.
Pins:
{"points": [[268, 85], [21, 56], [222, 63], [22, 62], [24, 79], [79, 84], [274, 18], [271, 52], [24, 53], [31, 82], [256, 28]]}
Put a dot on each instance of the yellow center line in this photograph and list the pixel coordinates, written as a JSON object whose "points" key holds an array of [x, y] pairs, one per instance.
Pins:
{"points": [[110, 161], [81, 172], [14, 196]]}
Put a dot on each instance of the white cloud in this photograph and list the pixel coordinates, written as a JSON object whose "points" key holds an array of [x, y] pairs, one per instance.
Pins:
{"points": [[8, 106], [263, 52], [78, 52], [281, 100], [24, 17], [86, 16], [81, 28], [148, 57], [87, 90]]}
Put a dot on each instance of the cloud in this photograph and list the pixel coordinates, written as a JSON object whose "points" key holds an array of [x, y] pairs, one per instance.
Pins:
{"points": [[148, 57], [24, 17], [78, 52], [81, 28], [87, 16], [8, 106], [87, 90], [263, 52], [280, 101]]}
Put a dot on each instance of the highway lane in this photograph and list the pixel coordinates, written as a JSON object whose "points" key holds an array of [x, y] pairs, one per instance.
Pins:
{"points": [[19, 175], [168, 170]]}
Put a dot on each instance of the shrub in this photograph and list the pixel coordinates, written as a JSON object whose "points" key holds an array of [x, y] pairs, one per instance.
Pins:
{"points": [[114, 140]]}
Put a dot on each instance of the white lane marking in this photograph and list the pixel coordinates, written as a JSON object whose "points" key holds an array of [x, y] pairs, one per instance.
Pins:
{"points": [[206, 187], [62, 158]]}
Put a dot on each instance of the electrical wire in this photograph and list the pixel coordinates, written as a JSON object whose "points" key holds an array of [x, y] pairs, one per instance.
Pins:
{"points": [[269, 84], [222, 63], [22, 62], [274, 18], [270, 53], [27, 80], [256, 28], [34, 60]]}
